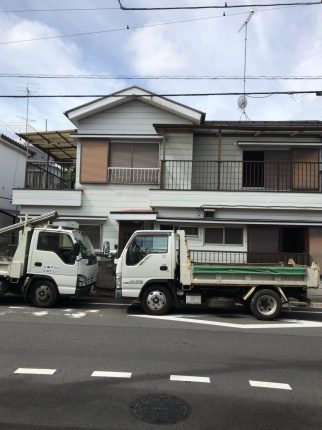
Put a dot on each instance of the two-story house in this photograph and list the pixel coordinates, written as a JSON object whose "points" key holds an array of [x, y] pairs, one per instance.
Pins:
{"points": [[243, 191]]}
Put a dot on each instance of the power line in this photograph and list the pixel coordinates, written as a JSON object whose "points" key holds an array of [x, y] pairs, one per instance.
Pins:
{"points": [[135, 27], [125, 28], [152, 77], [225, 6], [250, 93]]}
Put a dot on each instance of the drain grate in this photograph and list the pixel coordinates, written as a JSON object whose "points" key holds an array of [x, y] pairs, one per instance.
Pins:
{"points": [[160, 409]]}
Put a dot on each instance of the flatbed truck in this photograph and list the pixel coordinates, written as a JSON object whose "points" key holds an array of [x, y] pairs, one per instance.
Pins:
{"points": [[155, 268], [49, 262]]}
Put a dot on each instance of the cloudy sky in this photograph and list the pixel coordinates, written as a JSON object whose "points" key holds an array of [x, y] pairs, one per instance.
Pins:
{"points": [[282, 41]]}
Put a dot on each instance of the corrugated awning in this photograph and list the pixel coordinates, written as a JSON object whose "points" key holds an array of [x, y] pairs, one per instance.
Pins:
{"points": [[58, 144]]}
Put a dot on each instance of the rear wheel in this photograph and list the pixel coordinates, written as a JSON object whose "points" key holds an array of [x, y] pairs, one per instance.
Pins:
{"points": [[266, 305], [44, 294], [157, 300]]}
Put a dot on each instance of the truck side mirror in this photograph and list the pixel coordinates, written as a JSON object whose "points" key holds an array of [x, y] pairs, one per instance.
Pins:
{"points": [[76, 249], [106, 249]]}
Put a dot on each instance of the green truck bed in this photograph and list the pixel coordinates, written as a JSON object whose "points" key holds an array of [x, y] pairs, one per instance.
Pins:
{"points": [[249, 270]]}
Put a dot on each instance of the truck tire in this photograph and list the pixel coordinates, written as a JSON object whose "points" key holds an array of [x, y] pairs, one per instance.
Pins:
{"points": [[43, 294], [266, 305], [156, 300]]}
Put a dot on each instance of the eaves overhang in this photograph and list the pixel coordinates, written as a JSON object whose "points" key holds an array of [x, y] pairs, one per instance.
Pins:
{"points": [[247, 128]]}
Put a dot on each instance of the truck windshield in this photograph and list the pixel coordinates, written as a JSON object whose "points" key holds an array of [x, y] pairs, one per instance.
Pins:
{"points": [[86, 247]]}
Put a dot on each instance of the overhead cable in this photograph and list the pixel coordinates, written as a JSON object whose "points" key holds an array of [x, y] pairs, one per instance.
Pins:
{"points": [[150, 96], [224, 6], [153, 77]]}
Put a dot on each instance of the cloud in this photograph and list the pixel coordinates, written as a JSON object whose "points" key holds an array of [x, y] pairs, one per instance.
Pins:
{"points": [[153, 53], [54, 56]]}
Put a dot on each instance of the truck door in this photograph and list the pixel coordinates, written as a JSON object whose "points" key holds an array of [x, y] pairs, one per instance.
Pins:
{"points": [[147, 257], [51, 255]]}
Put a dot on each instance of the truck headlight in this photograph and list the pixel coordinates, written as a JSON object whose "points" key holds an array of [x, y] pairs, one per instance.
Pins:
{"points": [[118, 281], [81, 280]]}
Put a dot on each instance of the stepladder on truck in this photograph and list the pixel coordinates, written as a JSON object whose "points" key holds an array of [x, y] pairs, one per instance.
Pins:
{"points": [[155, 267], [49, 262]]}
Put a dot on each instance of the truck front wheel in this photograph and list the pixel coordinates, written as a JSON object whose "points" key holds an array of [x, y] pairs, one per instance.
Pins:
{"points": [[156, 300], [43, 294], [266, 305]]}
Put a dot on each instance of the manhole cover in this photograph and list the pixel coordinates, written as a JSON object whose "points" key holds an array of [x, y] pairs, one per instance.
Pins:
{"points": [[160, 409]]}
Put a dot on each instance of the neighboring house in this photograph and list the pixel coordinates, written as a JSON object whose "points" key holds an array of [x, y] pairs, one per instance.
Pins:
{"points": [[243, 191], [12, 175]]}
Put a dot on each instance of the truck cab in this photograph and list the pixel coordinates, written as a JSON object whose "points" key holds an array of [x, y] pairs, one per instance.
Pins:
{"points": [[148, 260], [50, 261]]}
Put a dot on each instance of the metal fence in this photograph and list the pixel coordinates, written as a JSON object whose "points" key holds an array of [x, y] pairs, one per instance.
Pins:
{"points": [[241, 176], [232, 257], [50, 175]]}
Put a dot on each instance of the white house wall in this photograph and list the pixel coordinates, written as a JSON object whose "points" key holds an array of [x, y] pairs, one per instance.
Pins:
{"points": [[97, 202], [12, 172], [250, 200]]}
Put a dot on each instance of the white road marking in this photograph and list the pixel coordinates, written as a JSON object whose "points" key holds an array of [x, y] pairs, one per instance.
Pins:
{"points": [[276, 385], [76, 315], [17, 307], [40, 314], [268, 325], [103, 374], [29, 371], [184, 378]]}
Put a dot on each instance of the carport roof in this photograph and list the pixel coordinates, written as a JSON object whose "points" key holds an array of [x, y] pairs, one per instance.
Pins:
{"points": [[58, 144]]}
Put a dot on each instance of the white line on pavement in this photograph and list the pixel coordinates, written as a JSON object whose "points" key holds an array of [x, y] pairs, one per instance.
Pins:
{"points": [[268, 325], [29, 371], [184, 378], [111, 374], [276, 385]]}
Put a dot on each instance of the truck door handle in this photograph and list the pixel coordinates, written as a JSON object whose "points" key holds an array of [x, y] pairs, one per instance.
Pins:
{"points": [[38, 264], [164, 267]]}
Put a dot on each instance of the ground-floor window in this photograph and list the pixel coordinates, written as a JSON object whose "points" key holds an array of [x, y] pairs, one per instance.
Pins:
{"points": [[224, 236]]}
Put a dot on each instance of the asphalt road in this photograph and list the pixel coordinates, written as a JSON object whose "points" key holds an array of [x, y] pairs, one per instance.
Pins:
{"points": [[99, 364]]}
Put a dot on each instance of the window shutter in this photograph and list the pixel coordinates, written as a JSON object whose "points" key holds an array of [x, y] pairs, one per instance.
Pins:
{"points": [[305, 169], [120, 154], [145, 155], [94, 161]]}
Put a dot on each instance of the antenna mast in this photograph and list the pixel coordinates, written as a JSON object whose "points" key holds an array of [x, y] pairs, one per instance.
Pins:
{"points": [[242, 100]]}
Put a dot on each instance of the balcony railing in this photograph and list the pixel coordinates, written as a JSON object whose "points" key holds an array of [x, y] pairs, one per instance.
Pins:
{"points": [[241, 176], [232, 257], [124, 175], [50, 175]]}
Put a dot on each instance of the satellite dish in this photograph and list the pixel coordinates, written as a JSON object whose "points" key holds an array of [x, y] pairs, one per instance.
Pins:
{"points": [[242, 102]]}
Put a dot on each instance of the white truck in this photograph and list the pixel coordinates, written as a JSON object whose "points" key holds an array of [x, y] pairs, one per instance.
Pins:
{"points": [[49, 262], [155, 268]]}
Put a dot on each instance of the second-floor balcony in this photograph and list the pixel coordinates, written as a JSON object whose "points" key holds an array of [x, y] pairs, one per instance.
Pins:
{"points": [[241, 176], [191, 176]]}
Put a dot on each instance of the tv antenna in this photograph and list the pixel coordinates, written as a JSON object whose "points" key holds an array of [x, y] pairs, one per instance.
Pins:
{"points": [[242, 100]]}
